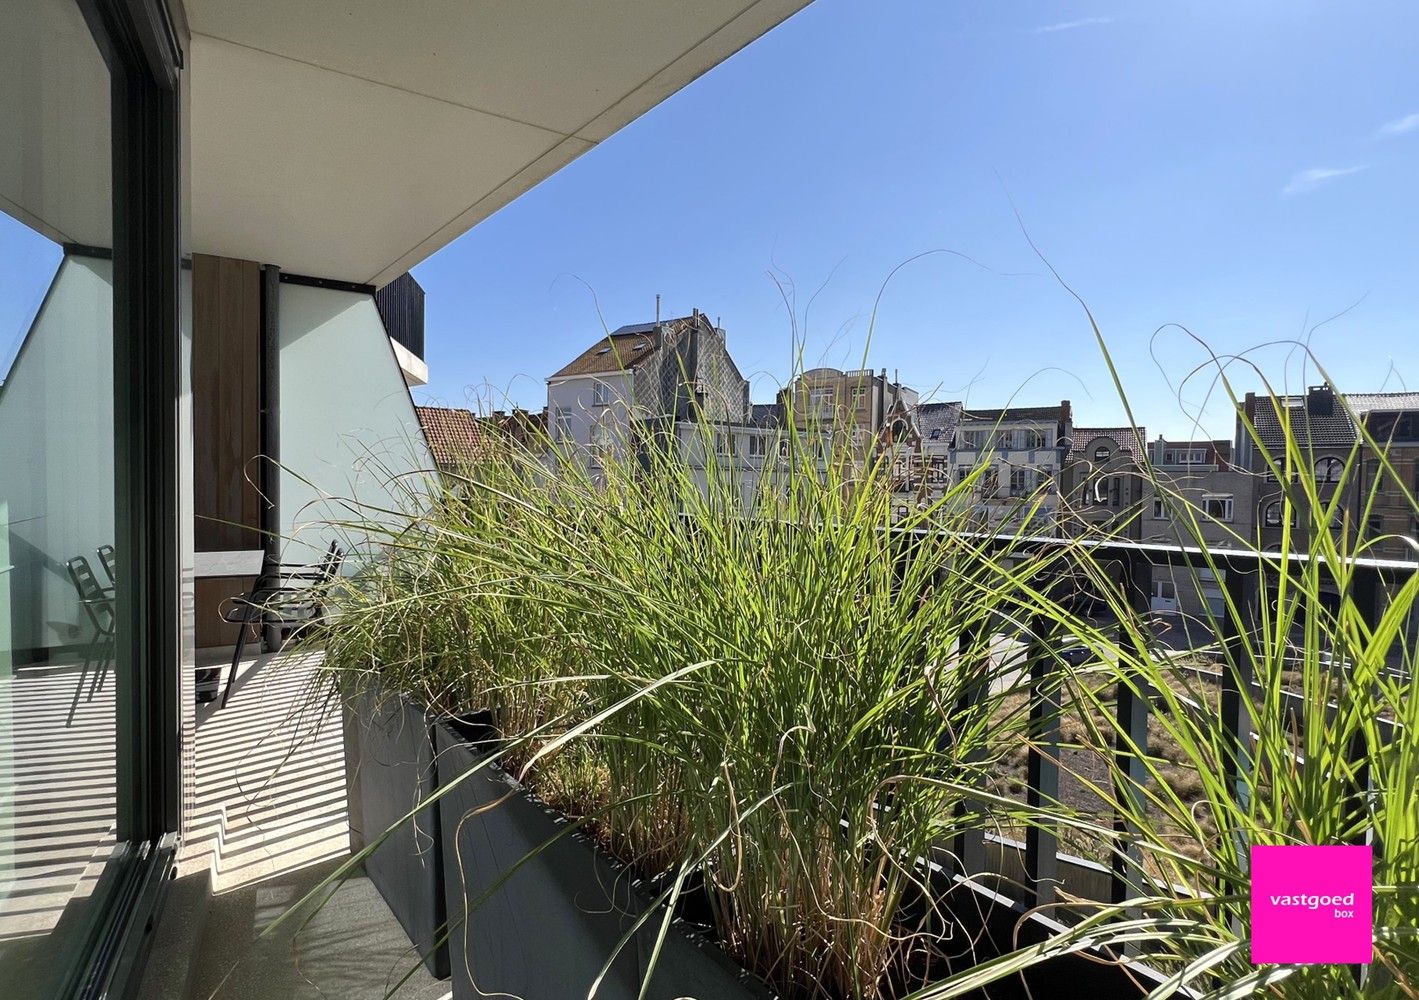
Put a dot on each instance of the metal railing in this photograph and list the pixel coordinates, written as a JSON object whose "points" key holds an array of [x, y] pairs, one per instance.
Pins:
{"points": [[1243, 573]]}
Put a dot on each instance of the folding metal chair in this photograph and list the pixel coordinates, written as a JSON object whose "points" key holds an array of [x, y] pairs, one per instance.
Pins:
{"points": [[97, 602], [291, 595], [109, 560]]}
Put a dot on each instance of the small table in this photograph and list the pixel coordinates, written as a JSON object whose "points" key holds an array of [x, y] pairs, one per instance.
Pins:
{"points": [[239, 562]]}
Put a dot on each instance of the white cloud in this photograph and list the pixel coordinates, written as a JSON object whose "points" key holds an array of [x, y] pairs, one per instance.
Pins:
{"points": [[1399, 126], [1309, 180], [1083, 22]]}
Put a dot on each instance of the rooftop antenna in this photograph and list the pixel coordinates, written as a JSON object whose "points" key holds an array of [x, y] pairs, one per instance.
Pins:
{"points": [[657, 307]]}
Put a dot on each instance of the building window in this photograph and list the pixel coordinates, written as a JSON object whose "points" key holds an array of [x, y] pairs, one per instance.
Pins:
{"points": [[602, 443], [600, 394], [974, 440], [1274, 512], [1021, 482], [758, 446], [723, 443], [820, 402], [859, 395], [1102, 453], [936, 472], [1329, 470], [989, 483], [1376, 524], [563, 424], [1374, 475], [1184, 456], [935, 434], [1218, 506], [1160, 510], [1029, 439]]}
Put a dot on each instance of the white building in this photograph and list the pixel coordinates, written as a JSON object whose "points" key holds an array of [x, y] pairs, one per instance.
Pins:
{"points": [[637, 376], [1022, 449]]}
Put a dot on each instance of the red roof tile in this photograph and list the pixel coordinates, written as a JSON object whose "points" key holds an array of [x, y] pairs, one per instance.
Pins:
{"points": [[455, 436]]}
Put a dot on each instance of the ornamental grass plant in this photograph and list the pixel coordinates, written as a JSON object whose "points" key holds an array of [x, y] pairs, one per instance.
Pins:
{"points": [[758, 683], [820, 646], [1321, 648]]}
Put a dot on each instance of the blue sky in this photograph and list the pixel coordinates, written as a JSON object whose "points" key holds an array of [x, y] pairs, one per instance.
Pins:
{"points": [[1246, 170]]}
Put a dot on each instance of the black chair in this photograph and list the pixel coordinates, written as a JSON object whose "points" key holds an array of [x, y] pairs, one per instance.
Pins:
{"points": [[288, 595], [109, 560], [97, 602]]}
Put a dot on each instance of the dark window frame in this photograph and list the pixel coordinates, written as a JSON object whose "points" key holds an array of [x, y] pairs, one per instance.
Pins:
{"points": [[139, 43]]}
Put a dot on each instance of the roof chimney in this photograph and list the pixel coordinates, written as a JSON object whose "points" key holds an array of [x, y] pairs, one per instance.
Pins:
{"points": [[657, 307], [1320, 400]]}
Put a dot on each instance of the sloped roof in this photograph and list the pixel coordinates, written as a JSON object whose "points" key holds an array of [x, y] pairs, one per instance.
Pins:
{"points": [[1050, 413], [618, 352], [766, 414], [1328, 430], [1313, 430], [1379, 402], [455, 436], [1123, 437], [626, 347], [943, 417]]}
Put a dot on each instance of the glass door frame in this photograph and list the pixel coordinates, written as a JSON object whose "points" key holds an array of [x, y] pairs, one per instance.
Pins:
{"points": [[140, 43]]}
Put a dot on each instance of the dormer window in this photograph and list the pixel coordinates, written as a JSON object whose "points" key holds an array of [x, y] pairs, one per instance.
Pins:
{"points": [[1102, 453], [605, 350]]}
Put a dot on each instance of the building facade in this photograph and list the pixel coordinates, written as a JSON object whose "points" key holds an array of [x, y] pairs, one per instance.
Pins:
{"points": [[855, 408], [1020, 451], [1389, 471], [639, 378], [1102, 484], [1194, 491], [923, 456]]}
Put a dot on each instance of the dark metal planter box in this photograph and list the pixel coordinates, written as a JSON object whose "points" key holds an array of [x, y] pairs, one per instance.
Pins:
{"points": [[389, 769], [545, 933]]}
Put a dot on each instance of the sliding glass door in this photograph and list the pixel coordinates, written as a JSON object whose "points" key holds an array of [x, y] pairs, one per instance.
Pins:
{"points": [[86, 657]]}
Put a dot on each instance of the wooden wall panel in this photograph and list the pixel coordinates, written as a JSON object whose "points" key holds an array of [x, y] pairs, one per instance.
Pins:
{"points": [[210, 593], [226, 402]]}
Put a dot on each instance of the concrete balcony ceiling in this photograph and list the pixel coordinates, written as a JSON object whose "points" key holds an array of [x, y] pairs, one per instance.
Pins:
{"points": [[352, 140]]}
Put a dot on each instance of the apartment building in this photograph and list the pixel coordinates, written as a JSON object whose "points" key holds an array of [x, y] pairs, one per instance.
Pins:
{"points": [[1102, 484], [1200, 490], [658, 373], [1022, 449], [856, 405], [922, 456], [745, 454], [1391, 420], [1329, 437], [1326, 437]]}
